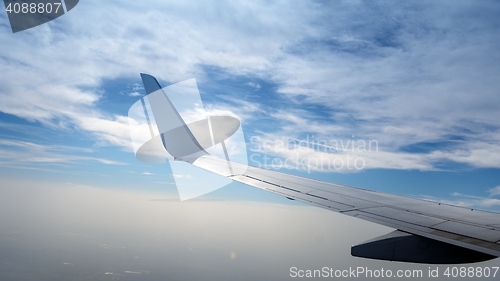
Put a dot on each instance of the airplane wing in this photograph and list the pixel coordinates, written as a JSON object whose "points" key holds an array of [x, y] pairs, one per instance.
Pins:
{"points": [[425, 232]]}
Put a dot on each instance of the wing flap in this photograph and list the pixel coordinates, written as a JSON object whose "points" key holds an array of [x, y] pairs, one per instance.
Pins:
{"points": [[485, 233], [404, 216]]}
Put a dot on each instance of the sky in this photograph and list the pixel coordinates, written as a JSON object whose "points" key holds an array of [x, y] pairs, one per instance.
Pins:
{"points": [[417, 79]]}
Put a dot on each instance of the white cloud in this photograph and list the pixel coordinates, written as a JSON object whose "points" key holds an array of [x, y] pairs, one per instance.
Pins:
{"points": [[494, 191], [21, 154], [468, 201], [195, 35], [244, 111], [254, 85], [134, 94], [137, 87], [300, 125], [164, 182], [330, 155], [476, 154], [403, 74], [182, 176]]}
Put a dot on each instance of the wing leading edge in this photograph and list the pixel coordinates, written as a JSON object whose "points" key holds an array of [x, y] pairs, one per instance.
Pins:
{"points": [[426, 232]]}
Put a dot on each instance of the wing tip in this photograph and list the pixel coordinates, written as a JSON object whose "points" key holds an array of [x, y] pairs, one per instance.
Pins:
{"points": [[150, 83]]}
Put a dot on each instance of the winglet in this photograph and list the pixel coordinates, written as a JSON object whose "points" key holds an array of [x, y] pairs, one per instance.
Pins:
{"points": [[151, 85], [176, 137]]}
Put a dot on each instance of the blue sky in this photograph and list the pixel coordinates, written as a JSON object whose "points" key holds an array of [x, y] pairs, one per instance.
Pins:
{"points": [[420, 78]]}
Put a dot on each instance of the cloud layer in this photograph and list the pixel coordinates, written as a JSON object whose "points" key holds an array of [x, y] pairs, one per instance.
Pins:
{"points": [[403, 74]]}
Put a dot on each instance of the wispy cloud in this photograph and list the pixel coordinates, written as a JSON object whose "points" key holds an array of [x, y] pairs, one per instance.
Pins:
{"points": [[28, 153], [469, 201], [330, 155], [134, 94], [182, 176], [228, 106], [254, 85], [402, 74], [494, 191]]}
